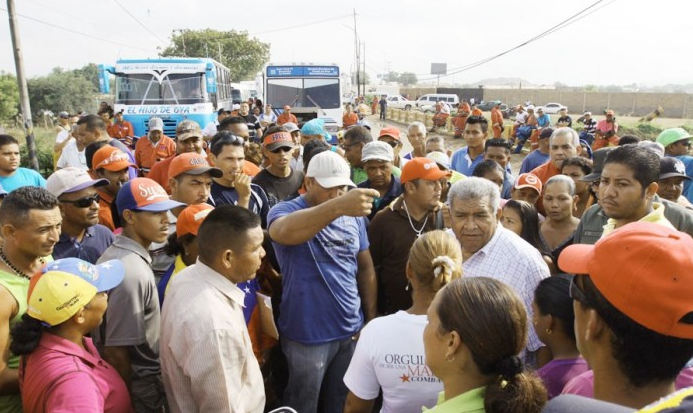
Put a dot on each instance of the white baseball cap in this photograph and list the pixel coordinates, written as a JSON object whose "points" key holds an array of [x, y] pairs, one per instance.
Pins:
{"points": [[156, 124], [440, 158], [291, 127], [330, 170], [377, 151], [71, 179]]}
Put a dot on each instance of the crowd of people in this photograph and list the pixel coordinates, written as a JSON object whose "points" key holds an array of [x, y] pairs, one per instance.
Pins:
{"points": [[249, 264]]}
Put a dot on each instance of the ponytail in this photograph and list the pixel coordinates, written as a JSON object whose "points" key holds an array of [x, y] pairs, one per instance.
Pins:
{"points": [[26, 335]]}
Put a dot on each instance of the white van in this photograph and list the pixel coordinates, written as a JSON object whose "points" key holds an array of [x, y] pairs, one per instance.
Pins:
{"points": [[428, 102]]}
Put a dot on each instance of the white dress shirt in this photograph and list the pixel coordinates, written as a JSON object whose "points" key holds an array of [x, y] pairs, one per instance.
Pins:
{"points": [[207, 358]]}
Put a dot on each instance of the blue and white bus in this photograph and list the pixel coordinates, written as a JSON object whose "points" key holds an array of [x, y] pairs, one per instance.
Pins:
{"points": [[172, 89], [312, 91]]}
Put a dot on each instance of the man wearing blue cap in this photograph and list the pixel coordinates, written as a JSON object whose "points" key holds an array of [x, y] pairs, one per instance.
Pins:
{"points": [[129, 335]]}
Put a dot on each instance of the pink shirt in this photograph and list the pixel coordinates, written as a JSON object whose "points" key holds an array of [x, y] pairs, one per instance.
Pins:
{"points": [[59, 376], [583, 385]]}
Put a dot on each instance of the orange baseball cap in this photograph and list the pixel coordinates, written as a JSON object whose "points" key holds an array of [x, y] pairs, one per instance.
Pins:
{"points": [[421, 168], [394, 132], [278, 140], [192, 163], [111, 159], [190, 218], [528, 181], [644, 270]]}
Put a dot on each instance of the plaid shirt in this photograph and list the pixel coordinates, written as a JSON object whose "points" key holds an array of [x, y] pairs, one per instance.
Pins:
{"points": [[512, 260]]}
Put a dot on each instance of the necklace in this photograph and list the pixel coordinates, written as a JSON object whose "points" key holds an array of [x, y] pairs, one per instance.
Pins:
{"points": [[411, 223], [18, 273]]}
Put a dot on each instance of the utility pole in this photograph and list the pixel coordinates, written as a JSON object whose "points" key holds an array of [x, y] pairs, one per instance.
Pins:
{"points": [[23, 90], [358, 61], [364, 68]]}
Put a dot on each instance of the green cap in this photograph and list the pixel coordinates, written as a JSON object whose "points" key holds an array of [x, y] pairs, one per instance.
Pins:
{"points": [[669, 136]]}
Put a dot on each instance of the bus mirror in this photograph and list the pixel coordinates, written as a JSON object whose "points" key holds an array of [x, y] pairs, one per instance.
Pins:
{"points": [[104, 84]]}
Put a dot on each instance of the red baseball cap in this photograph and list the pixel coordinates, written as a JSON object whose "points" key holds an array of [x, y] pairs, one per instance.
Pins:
{"points": [[528, 180], [421, 168], [389, 131], [192, 163], [111, 159], [644, 270], [190, 218], [144, 194]]}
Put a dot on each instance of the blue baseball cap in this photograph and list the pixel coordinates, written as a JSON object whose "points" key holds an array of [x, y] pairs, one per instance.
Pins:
{"points": [[144, 194]]}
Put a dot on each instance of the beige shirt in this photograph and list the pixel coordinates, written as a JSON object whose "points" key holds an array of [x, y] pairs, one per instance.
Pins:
{"points": [[207, 359]]}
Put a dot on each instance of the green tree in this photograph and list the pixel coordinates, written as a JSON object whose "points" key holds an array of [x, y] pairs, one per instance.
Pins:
{"points": [[242, 55], [408, 79], [9, 96], [62, 90], [362, 76], [392, 77]]}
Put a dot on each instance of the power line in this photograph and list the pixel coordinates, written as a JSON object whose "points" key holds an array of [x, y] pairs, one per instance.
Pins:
{"points": [[565, 23], [80, 33], [140, 23], [301, 25]]}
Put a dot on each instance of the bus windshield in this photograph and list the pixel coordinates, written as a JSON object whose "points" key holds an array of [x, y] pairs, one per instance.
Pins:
{"points": [[304, 93], [145, 89]]}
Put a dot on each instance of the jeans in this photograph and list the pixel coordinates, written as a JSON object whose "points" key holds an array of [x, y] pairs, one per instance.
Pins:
{"points": [[316, 370]]}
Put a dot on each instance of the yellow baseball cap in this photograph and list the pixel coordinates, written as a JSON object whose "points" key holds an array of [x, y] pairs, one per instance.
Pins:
{"points": [[65, 286]]}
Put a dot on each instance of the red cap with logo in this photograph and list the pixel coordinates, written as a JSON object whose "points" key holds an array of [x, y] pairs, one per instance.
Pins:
{"points": [[421, 168], [192, 163], [528, 181]]}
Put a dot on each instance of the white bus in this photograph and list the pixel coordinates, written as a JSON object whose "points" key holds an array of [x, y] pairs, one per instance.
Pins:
{"points": [[312, 91]]}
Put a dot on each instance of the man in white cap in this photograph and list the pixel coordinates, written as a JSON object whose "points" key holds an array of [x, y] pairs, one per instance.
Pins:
{"points": [[154, 147], [81, 235], [377, 158], [329, 286]]}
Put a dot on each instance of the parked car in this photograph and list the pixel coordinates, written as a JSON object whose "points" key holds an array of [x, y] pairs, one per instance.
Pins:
{"points": [[507, 111], [427, 102], [553, 108], [487, 106], [400, 102]]}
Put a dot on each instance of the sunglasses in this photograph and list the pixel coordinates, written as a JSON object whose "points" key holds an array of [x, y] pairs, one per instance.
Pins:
{"points": [[282, 149], [227, 139], [85, 202], [577, 294]]}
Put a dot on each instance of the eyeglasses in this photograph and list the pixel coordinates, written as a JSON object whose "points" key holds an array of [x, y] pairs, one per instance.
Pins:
{"points": [[282, 149], [85, 202], [576, 293], [685, 143]]}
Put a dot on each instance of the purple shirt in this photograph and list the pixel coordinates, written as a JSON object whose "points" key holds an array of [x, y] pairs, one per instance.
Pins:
{"points": [[556, 373], [59, 376]]}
